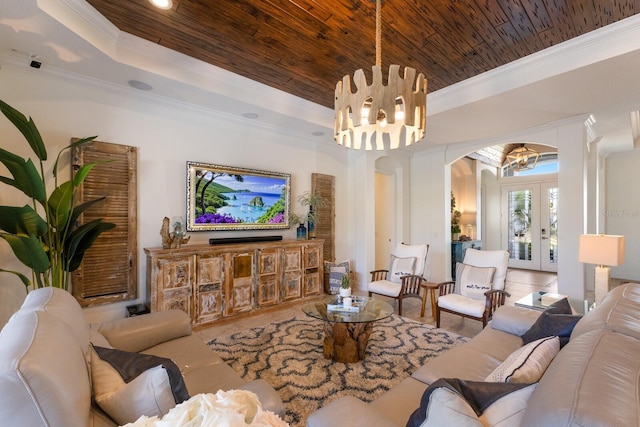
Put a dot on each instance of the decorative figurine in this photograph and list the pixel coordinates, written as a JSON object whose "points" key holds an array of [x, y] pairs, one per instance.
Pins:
{"points": [[177, 237]]}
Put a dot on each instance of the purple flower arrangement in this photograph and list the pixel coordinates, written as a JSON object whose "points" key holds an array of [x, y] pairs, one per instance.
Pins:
{"points": [[216, 218], [278, 219]]}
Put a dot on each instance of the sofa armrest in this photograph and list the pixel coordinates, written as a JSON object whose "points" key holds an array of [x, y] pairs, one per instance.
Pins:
{"points": [[348, 411], [514, 320], [141, 332]]}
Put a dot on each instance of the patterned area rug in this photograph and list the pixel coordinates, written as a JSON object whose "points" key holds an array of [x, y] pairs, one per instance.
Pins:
{"points": [[288, 355]]}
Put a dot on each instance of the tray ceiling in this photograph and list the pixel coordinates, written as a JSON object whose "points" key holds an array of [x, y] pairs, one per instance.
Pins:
{"points": [[304, 47]]}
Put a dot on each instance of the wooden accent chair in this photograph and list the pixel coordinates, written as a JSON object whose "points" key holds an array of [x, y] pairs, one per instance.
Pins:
{"points": [[404, 276], [479, 286]]}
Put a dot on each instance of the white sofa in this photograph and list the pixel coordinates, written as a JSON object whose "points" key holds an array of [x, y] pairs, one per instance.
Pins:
{"points": [[46, 356], [594, 380]]}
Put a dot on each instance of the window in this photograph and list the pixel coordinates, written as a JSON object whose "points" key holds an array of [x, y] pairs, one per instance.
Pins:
{"points": [[547, 163]]}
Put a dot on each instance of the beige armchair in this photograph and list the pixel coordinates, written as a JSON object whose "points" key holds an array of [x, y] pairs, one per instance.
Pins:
{"points": [[479, 286], [404, 276]]}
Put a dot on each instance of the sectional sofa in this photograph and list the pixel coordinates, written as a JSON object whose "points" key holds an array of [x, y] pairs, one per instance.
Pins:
{"points": [[594, 380], [49, 371]]}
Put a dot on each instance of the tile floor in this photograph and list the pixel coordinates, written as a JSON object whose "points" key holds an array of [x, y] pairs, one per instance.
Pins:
{"points": [[519, 283]]}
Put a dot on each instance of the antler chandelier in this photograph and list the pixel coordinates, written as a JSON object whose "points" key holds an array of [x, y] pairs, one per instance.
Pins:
{"points": [[396, 110]]}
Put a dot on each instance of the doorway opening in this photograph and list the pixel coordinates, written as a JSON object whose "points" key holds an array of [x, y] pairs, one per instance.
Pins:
{"points": [[530, 225]]}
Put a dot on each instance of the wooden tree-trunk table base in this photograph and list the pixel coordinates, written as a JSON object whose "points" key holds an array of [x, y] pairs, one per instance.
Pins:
{"points": [[346, 342]]}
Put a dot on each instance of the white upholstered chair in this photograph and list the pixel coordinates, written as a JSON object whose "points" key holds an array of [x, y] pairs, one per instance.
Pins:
{"points": [[404, 276], [479, 286]]}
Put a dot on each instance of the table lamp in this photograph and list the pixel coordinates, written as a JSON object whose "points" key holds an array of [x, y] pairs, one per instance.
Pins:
{"points": [[605, 251]]}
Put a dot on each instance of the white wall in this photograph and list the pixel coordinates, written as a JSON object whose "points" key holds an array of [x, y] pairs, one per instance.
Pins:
{"points": [[621, 211], [167, 136]]}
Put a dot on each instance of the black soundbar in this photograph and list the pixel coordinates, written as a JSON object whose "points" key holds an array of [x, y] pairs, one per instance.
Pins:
{"points": [[251, 239]]}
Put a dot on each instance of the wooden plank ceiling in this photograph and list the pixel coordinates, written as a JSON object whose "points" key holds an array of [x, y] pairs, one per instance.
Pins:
{"points": [[305, 46]]}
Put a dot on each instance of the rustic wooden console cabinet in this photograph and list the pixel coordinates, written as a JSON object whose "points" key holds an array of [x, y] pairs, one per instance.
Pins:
{"points": [[210, 282]]}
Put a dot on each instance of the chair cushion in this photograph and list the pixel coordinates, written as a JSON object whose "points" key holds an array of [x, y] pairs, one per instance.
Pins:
{"points": [[473, 281], [462, 304], [417, 251], [528, 363], [498, 259], [385, 287], [401, 267]]}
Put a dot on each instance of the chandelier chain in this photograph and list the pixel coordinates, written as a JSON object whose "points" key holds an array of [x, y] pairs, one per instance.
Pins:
{"points": [[378, 34]]}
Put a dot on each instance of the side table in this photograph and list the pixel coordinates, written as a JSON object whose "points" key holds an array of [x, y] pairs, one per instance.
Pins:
{"points": [[430, 288]]}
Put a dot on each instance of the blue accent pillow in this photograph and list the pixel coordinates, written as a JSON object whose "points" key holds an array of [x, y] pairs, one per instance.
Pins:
{"points": [[557, 320]]}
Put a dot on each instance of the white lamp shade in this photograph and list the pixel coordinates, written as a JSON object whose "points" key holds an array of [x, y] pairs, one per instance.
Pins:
{"points": [[601, 249]]}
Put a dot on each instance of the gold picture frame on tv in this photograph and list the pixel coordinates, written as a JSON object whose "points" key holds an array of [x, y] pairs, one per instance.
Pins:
{"points": [[232, 198]]}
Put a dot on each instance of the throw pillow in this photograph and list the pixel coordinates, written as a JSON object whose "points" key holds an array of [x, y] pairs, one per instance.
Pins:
{"points": [[528, 363], [450, 401], [333, 275], [401, 267], [127, 385], [473, 281], [556, 320]]}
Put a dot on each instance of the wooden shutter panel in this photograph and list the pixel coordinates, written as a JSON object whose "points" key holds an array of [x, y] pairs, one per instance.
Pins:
{"points": [[109, 269], [324, 185]]}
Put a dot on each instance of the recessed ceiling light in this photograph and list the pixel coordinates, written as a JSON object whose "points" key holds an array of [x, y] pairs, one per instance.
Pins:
{"points": [[140, 85], [317, 133], [162, 4], [250, 115]]}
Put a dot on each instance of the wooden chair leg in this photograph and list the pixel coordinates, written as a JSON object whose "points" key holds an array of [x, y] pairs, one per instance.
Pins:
{"points": [[437, 316], [399, 305]]}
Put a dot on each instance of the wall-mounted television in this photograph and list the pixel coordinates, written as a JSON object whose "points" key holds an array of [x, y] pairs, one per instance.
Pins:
{"points": [[231, 198]]}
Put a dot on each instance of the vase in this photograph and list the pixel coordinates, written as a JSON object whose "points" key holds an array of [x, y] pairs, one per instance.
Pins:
{"points": [[301, 232], [311, 229], [345, 292], [311, 225]]}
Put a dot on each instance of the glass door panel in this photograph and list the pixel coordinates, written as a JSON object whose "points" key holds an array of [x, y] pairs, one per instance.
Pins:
{"points": [[529, 225], [549, 231]]}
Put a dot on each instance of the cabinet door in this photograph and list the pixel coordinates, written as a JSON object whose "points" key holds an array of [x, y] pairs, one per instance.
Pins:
{"points": [[175, 279], [240, 283], [268, 279], [209, 295], [312, 257], [312, 270], [292, 282], [312, 283]]}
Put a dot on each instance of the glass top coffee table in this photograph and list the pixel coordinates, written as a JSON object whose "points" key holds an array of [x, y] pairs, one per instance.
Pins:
{"points": [[534, 302], [346, 334]]}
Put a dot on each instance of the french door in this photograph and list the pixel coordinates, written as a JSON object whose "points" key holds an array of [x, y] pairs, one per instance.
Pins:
{"points": [[530, 225]]}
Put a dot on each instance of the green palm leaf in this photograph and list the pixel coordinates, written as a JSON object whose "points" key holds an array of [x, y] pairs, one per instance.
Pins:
{"points": [[24, 220], [27, 128], [25, 175], [29, 251]]}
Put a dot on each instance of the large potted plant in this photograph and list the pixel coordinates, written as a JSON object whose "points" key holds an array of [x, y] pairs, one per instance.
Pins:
{"points": [[44, 234], [455, 220]]}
